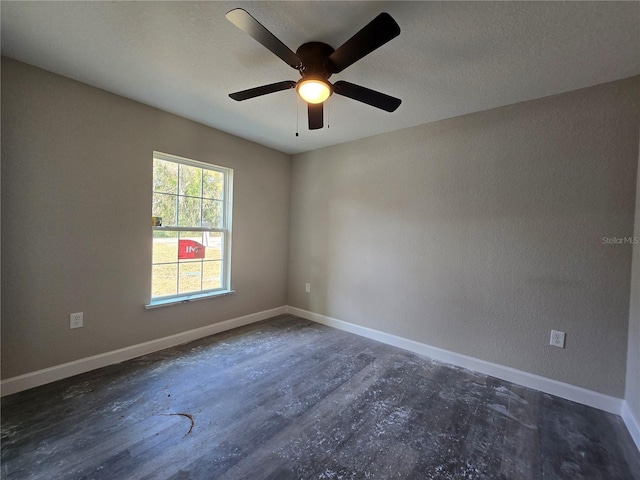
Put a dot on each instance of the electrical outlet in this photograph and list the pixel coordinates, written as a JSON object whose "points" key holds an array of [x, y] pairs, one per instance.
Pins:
{"points": [[557, 339], [307, 287], [76, 320]]}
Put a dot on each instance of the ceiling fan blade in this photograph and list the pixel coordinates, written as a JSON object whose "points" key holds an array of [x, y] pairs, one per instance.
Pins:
{"points": [[245, 22], [375, 34], [366, 95], [316, 119], [263, 90]]}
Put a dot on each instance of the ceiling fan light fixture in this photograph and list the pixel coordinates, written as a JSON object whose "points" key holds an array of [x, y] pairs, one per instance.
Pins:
{"points": [[314, 90], [317, 61]]}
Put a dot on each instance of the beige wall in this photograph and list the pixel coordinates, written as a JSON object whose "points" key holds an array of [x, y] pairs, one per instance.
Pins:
{"points": [[632, 394], [76, 236], [480, 234], [477, 234]]}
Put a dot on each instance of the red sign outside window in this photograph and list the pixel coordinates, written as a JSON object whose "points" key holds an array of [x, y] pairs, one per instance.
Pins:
{"points": [[188, 249]]}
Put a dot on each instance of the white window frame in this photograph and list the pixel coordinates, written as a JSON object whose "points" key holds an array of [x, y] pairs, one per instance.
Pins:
{"points": [[226, 232]]}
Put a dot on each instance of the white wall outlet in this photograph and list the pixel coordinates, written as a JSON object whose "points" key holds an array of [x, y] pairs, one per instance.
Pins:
{"points": [[557, 339], [307, 287], [76, 320]]}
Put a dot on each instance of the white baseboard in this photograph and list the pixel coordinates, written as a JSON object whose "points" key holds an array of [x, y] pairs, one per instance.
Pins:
{"points": [[58, 372], [632, 423], [543, 384]]}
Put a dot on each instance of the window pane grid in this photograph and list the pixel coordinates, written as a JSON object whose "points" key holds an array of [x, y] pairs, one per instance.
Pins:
{"points": [[211, 209], [189, 274], [187, 196], [190, 229], [190, 249]]}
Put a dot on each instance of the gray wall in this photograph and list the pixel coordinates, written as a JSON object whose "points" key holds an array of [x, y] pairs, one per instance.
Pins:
{"points": [[76, 207], [481, 233], [477, 234], [632, 394]]}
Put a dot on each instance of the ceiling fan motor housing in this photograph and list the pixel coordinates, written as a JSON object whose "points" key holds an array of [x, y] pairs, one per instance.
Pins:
{"points": [[315, 60]]}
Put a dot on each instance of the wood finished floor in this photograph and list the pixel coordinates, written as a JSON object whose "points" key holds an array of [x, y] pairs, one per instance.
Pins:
{"points": [[289, 399]]}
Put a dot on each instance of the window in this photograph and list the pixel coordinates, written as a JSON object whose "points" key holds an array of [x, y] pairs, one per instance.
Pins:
{"points": [[192, 247]]}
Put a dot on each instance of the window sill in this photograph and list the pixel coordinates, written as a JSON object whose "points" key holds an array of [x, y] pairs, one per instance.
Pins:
{"points": [[187, 299]]}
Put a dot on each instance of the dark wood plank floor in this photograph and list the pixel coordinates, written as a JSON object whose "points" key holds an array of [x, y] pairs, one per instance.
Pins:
{"points": [[290, 399]]}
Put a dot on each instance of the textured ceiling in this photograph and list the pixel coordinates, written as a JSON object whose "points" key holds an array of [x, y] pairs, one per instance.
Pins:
{"points": [[452, 58]]}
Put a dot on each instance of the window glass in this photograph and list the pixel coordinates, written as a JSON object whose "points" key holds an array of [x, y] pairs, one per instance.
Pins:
{"points": [[190, 251]]}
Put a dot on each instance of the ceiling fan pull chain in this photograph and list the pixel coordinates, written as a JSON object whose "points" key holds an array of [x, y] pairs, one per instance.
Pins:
{"points": [[329, 112], [297, 110]]}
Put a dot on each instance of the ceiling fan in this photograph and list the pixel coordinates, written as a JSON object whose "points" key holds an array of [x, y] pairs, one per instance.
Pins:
{"points": [[317, 61]]}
